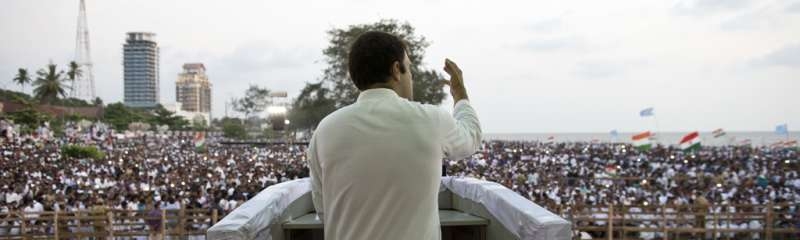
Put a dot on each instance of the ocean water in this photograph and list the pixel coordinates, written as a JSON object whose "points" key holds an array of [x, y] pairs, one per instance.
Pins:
{"points": [[664, 138]]}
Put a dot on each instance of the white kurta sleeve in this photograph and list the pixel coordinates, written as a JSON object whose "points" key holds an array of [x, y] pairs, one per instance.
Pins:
{"points": [[315, 171], [461, 132]]}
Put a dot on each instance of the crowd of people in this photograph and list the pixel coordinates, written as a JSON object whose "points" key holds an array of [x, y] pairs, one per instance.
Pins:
{"points": [[139, 172], [584, 178], [168, 171], [568, 174]]}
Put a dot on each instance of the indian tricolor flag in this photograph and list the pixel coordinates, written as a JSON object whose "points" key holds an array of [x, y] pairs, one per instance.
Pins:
{"points": [[718, 133], [690, 142], [200, 140], [746, 142], [611, 170], [642, 141], [787, 143], [792, 144]]}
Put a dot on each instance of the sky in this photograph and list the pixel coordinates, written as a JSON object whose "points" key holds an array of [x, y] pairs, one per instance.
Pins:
{"points": [[529, 66]]}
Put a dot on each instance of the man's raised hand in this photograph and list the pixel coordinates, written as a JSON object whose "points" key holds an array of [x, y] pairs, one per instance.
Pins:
{"points": [[456, 82]]}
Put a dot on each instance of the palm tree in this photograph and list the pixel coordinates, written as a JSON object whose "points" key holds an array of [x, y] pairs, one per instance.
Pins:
{"points": [[22, 78], [74, 73], [49, 85]]}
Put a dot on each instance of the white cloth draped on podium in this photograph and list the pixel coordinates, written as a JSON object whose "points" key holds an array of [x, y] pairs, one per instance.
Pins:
{"points": [[258, 213], [520, 216], [523, 218]]}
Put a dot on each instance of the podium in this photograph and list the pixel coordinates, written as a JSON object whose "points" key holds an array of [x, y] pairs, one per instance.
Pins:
{"points": [[468, 209], [455, 225]]}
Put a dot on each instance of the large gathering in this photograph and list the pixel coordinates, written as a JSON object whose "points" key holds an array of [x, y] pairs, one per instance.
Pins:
{"points": [[168, 171], [401, 120]]}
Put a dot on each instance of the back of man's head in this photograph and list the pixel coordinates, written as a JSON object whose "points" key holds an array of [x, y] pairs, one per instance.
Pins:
{"points": [[371, 58]]}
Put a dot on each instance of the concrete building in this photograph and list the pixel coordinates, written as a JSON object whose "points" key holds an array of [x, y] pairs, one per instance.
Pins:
{"points": [[192, 89], [140, 64]]}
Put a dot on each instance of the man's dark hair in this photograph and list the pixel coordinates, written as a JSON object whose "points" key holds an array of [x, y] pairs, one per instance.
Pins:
{"points": [[371, 58]]}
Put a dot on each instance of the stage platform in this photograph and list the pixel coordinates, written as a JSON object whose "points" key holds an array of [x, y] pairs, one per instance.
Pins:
{"points": [[468, 209]]}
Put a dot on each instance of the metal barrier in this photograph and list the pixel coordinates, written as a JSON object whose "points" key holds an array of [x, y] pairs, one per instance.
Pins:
{"points": [[771, 221], [101, 222]]}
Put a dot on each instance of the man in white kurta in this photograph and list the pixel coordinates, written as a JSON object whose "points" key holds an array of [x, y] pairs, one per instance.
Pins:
{"points": [[376, 164]]}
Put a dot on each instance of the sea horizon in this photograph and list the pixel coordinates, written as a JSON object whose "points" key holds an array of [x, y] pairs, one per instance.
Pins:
{"points": [[665, 138]]}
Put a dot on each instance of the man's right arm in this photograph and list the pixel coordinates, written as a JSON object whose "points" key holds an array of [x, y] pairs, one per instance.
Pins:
{"points": [[461, 132]]}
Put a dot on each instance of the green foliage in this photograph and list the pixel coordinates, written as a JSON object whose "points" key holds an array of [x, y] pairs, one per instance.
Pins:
{"points": [[255, 100], [162, 116], [22, 78], [76, 151], [19, 97], [427, 83], [29, 118], [268, 133], [311, 106], [428, 87], [97, 101], [49, 85], [57, 126], [13, 96], [119, 116], [72, 102], [233, 128], [74, 71], [336, 90], [76, 118], [199, 125]]}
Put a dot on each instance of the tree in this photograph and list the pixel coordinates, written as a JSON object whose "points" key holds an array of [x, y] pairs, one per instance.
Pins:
{"points": [[336, 90], [120, 116], [427, 83], [22, 78], [49, 84], [12, 96], [311, 106], [199, 123], [233, 128], [162, 116], [97, 101], [72, 102], [255, 100], [28, 117], [74, 71]]}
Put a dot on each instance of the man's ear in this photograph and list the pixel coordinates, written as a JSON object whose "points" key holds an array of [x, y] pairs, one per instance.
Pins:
{"points": [[396, 70]]}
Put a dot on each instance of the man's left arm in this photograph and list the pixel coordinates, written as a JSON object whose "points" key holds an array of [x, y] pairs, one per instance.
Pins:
{"points": [[315, 171]]}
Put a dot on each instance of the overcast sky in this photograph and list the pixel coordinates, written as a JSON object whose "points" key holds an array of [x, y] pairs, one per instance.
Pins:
{"points": [[530, 66]]}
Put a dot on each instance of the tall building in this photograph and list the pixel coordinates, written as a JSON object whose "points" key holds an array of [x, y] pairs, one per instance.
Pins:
{"points": [[140, 62], [192, 89]]}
